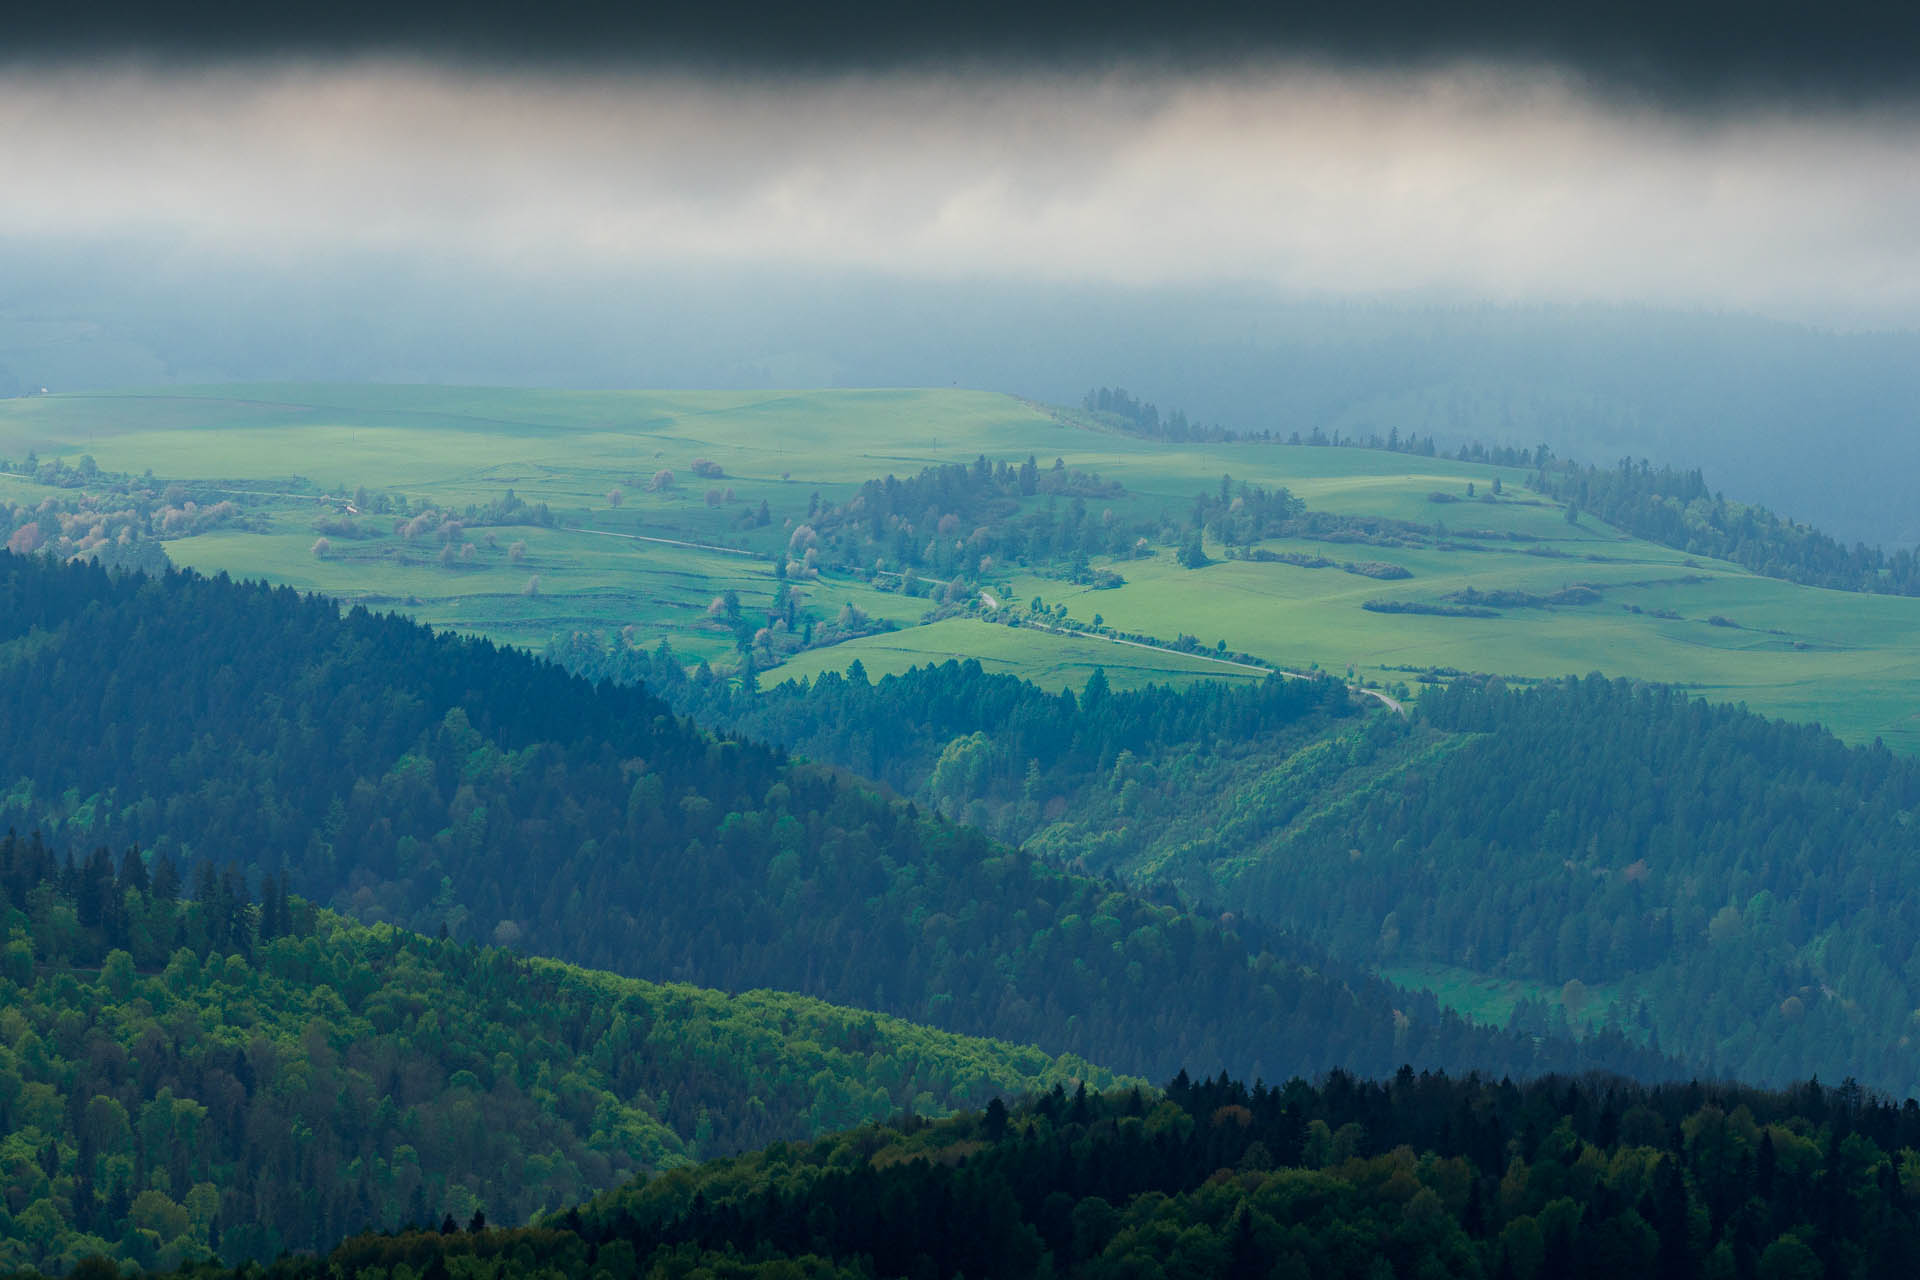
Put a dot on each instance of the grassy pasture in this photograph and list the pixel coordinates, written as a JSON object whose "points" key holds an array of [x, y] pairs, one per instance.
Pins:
{"points": [[1048, 659], [585, 582], [1850, 661], [1490, 1001]]}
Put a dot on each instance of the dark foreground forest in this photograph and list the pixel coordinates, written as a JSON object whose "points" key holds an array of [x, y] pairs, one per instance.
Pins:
{"points": [[1419, 1176]]}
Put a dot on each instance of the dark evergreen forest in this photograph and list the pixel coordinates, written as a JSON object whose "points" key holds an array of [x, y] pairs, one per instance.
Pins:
{"points": [[1420, 1175], [1739, 887], [442, 783]]}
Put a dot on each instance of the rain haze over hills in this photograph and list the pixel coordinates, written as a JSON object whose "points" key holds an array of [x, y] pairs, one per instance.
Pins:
{"points": [[1690, 238]]}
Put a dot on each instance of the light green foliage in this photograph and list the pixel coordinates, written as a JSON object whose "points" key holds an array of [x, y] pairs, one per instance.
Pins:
{"points": [[413, 1078]]}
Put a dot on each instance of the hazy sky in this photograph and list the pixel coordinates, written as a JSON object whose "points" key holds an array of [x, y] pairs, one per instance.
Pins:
{"points": [[1473, 179], [1713, 154], [1032, 198]]}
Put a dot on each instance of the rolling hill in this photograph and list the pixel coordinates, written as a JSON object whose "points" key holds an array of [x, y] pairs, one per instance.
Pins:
{"points": [[1580, 596], [217, 1077], [421, 779]]}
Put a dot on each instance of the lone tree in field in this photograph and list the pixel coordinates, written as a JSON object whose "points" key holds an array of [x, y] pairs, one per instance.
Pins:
{"points": [[517, 552], [533, 586], [713, 497], [322, 548], [662, 481], [615, 497], [447, 556]]}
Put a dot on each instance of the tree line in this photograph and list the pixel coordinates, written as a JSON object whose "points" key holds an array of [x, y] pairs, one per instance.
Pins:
{"points": [[1111, 770], [1669, 505], [1674, 507], [1420, 1175]]}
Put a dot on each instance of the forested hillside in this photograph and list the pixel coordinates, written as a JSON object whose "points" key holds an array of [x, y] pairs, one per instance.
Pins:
{"points": [[1112, 778], [1748, 881], [1740, 886], [214, 1075], [1421, 1176], [432, 781]]}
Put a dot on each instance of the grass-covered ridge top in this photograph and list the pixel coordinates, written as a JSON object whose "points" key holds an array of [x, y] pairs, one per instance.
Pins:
{"points": [[155, 1054], [1846, 659]]}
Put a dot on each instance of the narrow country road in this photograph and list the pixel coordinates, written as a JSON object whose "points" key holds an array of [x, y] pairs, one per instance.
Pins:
{"points": [[1386, 700], [668, 542]]}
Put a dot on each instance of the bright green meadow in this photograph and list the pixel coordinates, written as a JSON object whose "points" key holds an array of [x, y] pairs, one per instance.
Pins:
{"points": [[1851, 661]]}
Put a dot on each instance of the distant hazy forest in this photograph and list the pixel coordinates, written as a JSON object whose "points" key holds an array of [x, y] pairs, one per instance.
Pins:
{"points": [[1818, 426]]}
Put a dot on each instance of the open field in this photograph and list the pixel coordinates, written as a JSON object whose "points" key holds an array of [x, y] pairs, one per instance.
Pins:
{"points": [[1851, 661], [1046, 658], [1490, 1001]]}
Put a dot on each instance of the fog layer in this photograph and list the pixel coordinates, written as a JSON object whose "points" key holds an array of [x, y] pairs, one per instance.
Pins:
{"points": [[1483, 182]]}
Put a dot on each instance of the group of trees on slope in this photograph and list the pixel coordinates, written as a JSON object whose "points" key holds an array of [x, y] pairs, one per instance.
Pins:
{"points": [[215, 1076], [1001, 753], [1113, 406], [433, 781], [1126, 783], [1421, 1176], [1674, 507], [955, 522], [1669, 505]]}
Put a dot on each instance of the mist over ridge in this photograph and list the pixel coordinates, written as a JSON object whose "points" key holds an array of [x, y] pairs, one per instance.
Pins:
{"points": [[1778, 413]]}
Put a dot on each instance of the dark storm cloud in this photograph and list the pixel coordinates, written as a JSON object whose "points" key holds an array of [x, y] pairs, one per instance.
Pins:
{"points": [[1838, 51]]}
